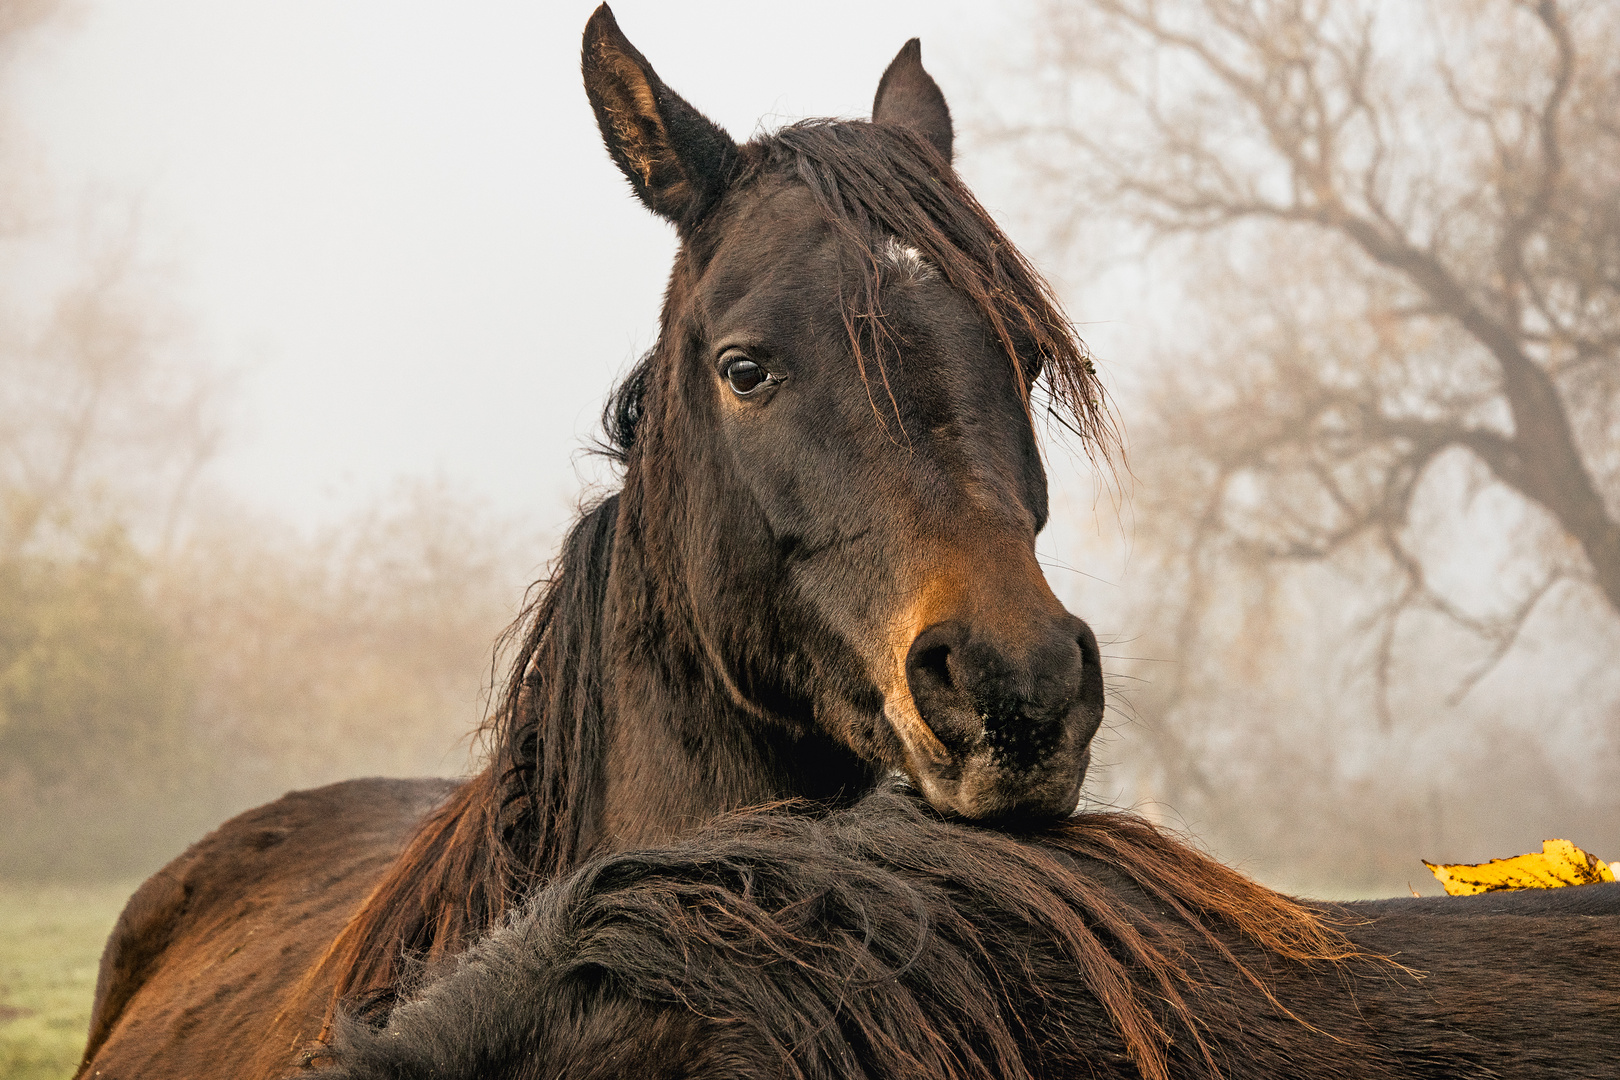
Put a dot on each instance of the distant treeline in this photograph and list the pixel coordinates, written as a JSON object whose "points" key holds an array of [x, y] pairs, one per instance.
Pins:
{"points": [[143, 697]]}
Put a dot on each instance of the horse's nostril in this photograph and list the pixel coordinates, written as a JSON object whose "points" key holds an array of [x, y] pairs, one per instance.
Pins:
{"points": [[1090, 673], [934, 664], [930, 663], [934, 673], [1089, 650]]}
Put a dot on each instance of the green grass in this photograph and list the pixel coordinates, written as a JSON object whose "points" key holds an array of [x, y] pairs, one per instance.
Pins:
{"points": [[50, 943]]}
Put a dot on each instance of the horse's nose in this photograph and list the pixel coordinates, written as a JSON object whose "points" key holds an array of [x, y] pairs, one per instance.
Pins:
{"points": [[976, 691]]}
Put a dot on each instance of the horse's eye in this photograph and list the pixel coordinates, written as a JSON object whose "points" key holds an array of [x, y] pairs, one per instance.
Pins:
{"points": [[744, 376]]}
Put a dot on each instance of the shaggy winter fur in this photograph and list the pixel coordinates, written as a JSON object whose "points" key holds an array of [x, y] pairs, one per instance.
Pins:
{"points": [[882, 942]]}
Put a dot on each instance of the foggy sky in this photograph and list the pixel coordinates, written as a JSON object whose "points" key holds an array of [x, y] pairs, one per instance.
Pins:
{"points": [[394, 222]]}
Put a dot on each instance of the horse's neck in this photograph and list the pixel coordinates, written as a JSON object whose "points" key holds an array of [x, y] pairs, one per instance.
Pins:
{"points": [[678, 748], [677, 759]]}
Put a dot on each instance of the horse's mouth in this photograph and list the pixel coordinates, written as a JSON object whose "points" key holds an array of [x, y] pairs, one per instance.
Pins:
{"points": [[986, 781]]}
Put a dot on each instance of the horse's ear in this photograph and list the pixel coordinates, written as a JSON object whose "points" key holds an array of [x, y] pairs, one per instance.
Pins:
{"points": [[908, 95], [676, 158]]}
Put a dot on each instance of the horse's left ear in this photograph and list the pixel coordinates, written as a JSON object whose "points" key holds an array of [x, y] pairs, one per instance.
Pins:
{"points": [[908, 95], [676, 158]]}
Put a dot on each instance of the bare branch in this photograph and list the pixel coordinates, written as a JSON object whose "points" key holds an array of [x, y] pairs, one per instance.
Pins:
{"points": [[1519, 226], [1503, 635]]}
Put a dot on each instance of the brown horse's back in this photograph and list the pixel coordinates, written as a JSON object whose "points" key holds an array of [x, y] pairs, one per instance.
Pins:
{"points": [[205, 972]]}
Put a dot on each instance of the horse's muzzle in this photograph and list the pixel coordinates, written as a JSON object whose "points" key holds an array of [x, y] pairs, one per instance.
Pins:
{"points": [[1015, 723]]}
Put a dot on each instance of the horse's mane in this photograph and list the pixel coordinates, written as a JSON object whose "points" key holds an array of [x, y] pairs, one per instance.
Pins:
{"points": [[519, 821], [875, 941]]}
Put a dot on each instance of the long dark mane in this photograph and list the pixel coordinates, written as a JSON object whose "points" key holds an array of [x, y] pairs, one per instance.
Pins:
{"points": [[877, 941], [523, 819]]}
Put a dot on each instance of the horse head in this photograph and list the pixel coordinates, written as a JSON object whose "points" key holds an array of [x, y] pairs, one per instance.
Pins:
{"points": [[830, 451]]}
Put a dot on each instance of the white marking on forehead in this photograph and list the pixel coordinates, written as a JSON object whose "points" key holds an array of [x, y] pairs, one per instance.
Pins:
{"points": [[907, 260]]}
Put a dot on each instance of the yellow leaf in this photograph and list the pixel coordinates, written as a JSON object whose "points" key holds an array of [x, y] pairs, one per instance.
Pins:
{"points": [[1560, 863]]}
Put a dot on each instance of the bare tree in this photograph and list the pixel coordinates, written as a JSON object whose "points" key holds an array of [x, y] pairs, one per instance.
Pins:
{"points": [[103, 415], [1416, 212]]}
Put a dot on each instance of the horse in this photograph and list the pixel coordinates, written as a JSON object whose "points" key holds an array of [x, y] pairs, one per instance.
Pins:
{"points": [[819, 569], [882, 941]]}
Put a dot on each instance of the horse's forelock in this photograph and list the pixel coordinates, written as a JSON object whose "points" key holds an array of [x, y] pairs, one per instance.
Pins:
{"points": [[885, 191]]}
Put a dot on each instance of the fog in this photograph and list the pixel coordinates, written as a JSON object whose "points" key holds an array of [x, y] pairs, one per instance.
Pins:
{"points": [[394, 224], [313, 308]]}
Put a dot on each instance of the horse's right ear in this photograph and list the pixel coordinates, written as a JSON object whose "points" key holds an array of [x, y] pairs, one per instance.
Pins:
{"points": [[675, 157]]}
